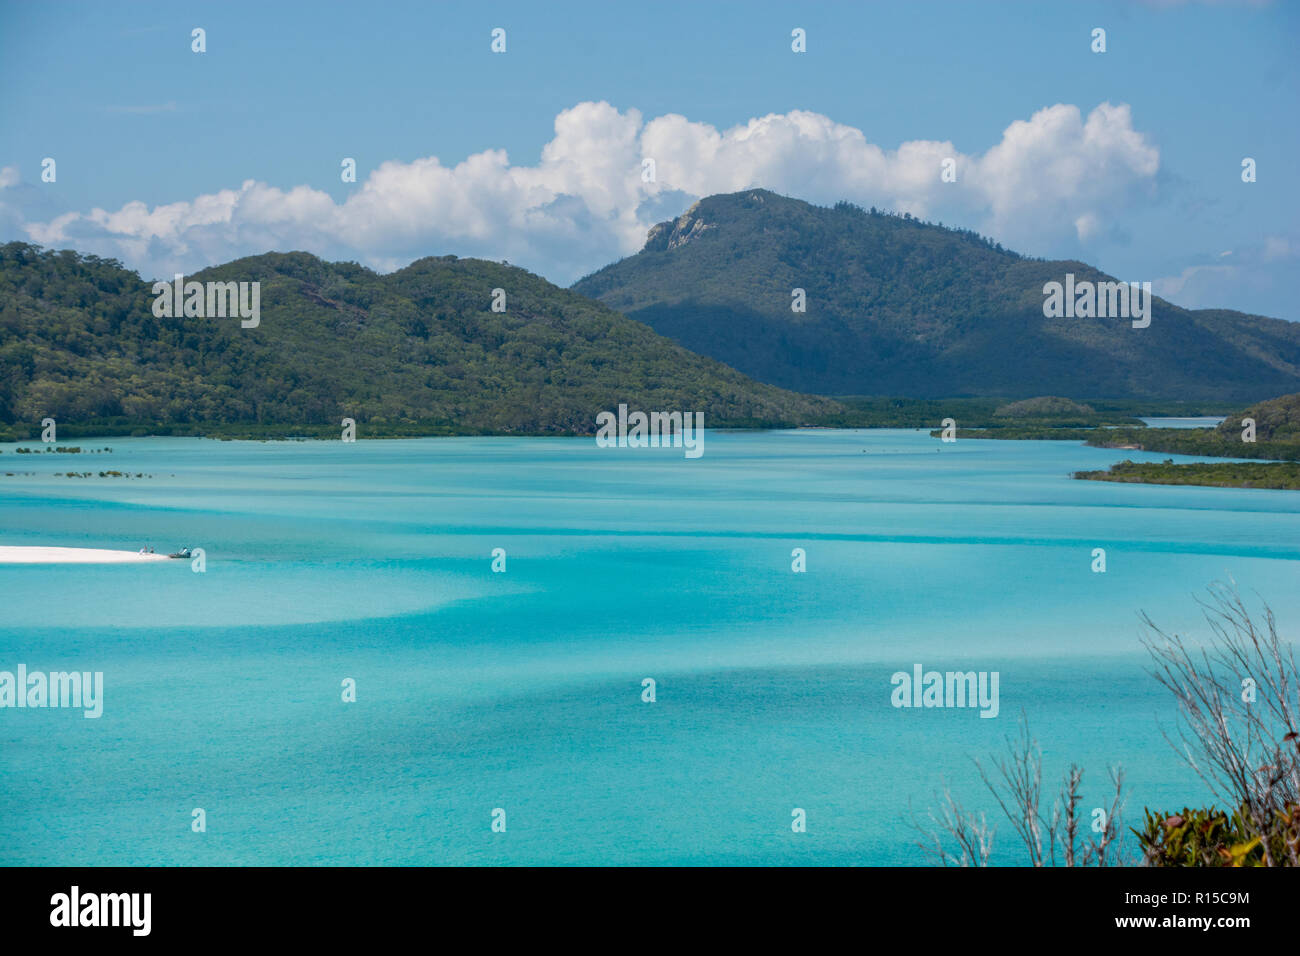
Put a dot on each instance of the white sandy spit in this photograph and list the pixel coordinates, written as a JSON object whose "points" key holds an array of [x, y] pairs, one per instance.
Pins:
{"points": [[13, 554]]}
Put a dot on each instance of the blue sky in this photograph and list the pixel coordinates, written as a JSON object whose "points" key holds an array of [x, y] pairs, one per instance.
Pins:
{"points": [[1128, 159]]}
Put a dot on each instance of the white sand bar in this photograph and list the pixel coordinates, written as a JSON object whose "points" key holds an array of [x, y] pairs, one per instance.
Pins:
{"points": [[12, 554]]}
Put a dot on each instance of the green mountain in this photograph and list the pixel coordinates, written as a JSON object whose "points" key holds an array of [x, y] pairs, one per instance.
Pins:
{"points": [[416, 351], [896, 306]]}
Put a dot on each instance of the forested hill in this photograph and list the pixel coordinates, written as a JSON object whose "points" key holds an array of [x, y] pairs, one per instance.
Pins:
{"points": [[415, 351], [898, 307], [1276, 420]]}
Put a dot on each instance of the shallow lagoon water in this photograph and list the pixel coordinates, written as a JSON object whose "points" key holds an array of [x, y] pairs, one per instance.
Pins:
{"points": [[1205, 422], [522, 690]]}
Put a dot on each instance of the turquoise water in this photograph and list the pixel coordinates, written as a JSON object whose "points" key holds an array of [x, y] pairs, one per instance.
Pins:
{"points": [[1183, 422], [522, 690]]}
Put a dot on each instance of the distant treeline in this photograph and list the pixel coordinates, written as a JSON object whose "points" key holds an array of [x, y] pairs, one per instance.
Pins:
{"points": [[1223, 474], [1194, 441], [849, 412]]}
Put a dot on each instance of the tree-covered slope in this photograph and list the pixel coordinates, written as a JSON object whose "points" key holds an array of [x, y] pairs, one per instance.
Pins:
{"points": [[419, 347], [900, 307], [1277, 419]]}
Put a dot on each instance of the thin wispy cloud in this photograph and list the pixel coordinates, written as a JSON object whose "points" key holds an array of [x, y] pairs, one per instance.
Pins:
{"points": [[1215, 282]]}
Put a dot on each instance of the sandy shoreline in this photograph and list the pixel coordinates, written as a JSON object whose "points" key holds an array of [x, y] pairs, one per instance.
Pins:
{"points": [[14, 554]]}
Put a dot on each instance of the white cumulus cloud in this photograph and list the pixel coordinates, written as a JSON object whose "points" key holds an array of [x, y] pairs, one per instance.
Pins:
{"points": [[1058, 176]]}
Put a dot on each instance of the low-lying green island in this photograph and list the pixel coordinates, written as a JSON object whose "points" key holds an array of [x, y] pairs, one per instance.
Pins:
{"points": [[1222, 474], [1269, 431]]}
